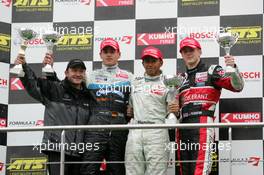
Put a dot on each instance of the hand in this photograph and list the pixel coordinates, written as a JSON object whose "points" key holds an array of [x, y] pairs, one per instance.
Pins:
{"points": [[20, 59], [130, 112], [229, 60], [173, 107], [48, 59]]}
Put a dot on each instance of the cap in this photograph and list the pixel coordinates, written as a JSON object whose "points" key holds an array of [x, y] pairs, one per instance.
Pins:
{"points": [[151, 51], [109, 42], [189, 42], [74, 63]]}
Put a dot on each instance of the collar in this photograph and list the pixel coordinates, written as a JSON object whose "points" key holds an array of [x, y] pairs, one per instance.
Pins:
{"points": [[153, 78], [110, 68], [68, 85], [194, 70]]}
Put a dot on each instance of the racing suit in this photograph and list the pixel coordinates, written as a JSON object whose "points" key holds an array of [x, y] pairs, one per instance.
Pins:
{"points": [[148, 98], [110, 86], [198, 98]]}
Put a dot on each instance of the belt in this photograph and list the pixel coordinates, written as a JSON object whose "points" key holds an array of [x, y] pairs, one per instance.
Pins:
{"points": [[198, 113], [143, 122], [111, 113]]}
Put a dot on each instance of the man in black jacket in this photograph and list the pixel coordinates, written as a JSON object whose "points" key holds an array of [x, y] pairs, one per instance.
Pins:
{"points": [[67, 103]]}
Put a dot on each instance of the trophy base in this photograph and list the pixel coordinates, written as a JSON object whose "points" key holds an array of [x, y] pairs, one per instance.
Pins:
{"points": [[17, 72], [171, 119], [47, 71]]}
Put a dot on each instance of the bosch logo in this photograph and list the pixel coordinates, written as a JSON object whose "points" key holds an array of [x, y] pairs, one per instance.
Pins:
{"points": [[251, 75]]}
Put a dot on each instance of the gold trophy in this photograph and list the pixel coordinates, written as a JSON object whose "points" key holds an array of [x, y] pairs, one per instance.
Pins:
{"points": [[26, 35], [50, 38]]}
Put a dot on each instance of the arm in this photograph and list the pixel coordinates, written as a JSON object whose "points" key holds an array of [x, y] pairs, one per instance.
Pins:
{"points": [[38, 88], [233, 81]]}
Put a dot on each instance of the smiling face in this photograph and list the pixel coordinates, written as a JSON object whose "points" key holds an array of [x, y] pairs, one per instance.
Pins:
{"points": [[191, 56], [110, 56], [152, 65], [76, 76]]}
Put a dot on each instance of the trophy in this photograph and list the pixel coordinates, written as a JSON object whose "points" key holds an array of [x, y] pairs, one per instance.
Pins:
{"points": [[173, 83], [226, 40], [26, 35], [50, 38]]}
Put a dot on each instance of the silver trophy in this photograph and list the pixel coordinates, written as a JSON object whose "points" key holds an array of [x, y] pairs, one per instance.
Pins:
{"points": [[173, 83], [226, 40], [50, 38], [25, 35]]}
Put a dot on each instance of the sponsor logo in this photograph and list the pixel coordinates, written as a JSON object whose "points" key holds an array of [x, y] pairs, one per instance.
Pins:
{"points": [[201, 77], [6, 3], [107, 3], [75, 42], [198, 2], [3, 83], [253, 161], [196, 97], [248, 34], [26, 123], [2, 122], [251, 117], [16, 84], [121, 39], [27, 164], [74, 2], [5, 42], [1, 166], [33, 5], [215, 161], [156, 38], [202, 35], [251, 76], [109, 91]]}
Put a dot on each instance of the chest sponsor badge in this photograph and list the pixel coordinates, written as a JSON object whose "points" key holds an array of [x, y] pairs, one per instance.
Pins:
{"points": [[201, 77]]}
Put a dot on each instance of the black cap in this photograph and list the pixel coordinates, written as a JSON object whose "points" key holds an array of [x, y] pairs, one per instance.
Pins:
{"points": [[76, 63]]}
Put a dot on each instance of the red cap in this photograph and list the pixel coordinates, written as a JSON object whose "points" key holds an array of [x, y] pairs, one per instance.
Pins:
{"points": [[189, 42], [109, 42], [151, 51]]}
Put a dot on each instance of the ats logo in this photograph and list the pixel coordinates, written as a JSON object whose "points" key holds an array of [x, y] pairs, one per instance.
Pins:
{"points": [[248, 34], [5, 41], [107, 3], [156, 39], [71, 42], [33, 5], [198, 2], [250, 117], [28, 164], [6, 3]]}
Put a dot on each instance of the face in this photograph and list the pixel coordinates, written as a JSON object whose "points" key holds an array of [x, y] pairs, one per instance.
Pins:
{"points": [[191, 56], [75, 75], [109, 56], [152, 66]]}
